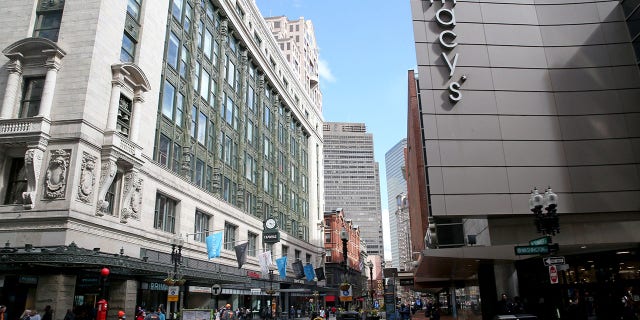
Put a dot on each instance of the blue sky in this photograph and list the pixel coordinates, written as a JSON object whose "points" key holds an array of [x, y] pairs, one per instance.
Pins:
{"points": [[366, 49]]}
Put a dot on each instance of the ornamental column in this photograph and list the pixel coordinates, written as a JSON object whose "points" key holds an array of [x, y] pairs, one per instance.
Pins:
{"points": [[114, 103], [53, 65], [136, 113], [15, 71]]}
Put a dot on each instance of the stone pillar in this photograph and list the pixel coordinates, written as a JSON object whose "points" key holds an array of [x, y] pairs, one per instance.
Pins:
{"points": [[56, 291], [53, 65], [122, 296], [15, 71], [506, 280], [136, 113], [114, 103]]}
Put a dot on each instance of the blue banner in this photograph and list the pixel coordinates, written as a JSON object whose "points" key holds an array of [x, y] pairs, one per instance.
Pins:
{"points": [[309, 272], [282, 267], [214, 244]]}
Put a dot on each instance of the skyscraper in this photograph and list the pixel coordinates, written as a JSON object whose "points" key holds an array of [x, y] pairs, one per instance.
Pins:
{"points": [[351, 179], [396, 186], [297, 40]]}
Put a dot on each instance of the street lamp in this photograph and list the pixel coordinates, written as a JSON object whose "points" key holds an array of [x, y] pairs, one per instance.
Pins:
{"points": [[547, 222], [104, 273], [272, 303], [344, 236], [176, 259], [176, 255], [370, 265]]}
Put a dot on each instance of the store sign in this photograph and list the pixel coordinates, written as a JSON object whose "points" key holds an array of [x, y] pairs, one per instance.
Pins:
{"points": [[271, 237], [196, 289], [446, 19], [158, 286], [253, 274]]}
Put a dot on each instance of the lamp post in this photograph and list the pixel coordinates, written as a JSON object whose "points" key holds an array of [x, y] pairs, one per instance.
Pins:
{"points": [[271, 292], [547, 222], [104, 273], [370, 265], [176, 259], [344, 236]]}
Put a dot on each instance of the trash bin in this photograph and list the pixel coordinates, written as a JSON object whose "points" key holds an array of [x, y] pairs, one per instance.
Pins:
{"points": [[516, 317]]}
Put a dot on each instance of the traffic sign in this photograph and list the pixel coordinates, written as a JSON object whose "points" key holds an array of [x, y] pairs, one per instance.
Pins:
{"points": [[548, 261], [553, 274], [541, 249], [540, 241], [216, 289], [173, 293]]}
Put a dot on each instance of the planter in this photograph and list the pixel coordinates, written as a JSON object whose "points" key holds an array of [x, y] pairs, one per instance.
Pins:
{"points": [[169, 282], [345, 286], [180, 282]]}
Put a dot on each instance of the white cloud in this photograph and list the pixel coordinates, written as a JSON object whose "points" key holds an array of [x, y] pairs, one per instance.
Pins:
{"points": [[324, 71]]}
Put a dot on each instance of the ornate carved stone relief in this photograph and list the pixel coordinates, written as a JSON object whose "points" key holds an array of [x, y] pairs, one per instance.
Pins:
{"points": [[57, 171], [33, 164], [107, 174], [132, 196], [87, 178]]}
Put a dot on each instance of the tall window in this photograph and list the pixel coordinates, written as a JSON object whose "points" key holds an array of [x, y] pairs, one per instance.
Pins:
{"points": [[31, 96], [253, 240], [201, 226], [49, 15], [131, 32], [113, 194], [296, 255], [285, 250], [165, 214], [229, 235], [17, 183]]}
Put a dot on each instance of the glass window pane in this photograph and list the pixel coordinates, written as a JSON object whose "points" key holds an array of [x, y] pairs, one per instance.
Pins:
{"points": [[176, 9], [208, 49], [167, 99], [202, 128], [172, 51], [133, 8], [163, 150]]}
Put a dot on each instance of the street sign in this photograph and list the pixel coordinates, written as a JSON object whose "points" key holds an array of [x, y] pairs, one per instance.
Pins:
{"points": [[553, 274], [540, 241], [548, 261], [531, 250], [216, 289], [172, 293], [346, 295]]}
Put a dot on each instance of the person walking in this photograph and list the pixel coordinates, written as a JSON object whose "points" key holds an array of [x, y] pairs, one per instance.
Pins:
{"points": [[228, 314], [405, 312], [70, 315], [505, 306], [48, 313], [3, 312], [34, 315]]}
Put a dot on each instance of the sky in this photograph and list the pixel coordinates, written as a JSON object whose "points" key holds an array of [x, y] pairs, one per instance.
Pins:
{"points": [[365, 49]]}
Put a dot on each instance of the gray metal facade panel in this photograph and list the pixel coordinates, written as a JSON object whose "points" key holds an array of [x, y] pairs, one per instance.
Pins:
{"points": [[550, 98]]}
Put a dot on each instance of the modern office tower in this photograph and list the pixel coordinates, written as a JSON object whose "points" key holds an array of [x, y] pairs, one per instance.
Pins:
{"points": [[351, 179], [513, 95], [297, 40], [131, 131], [396, 188]]}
